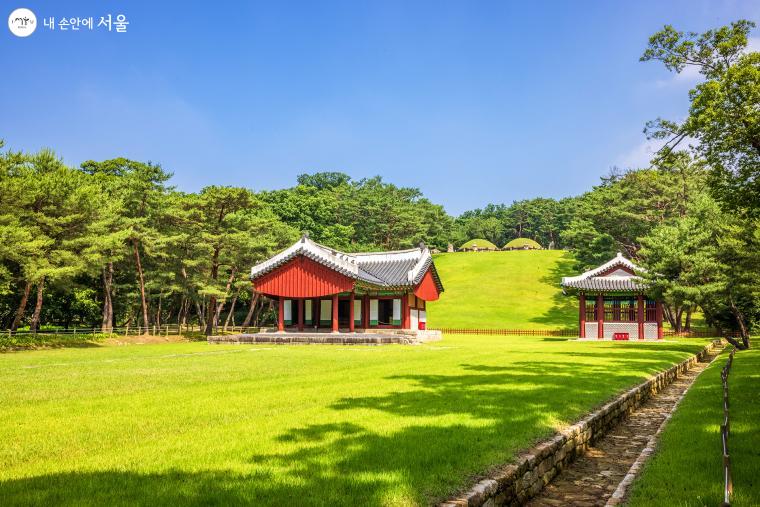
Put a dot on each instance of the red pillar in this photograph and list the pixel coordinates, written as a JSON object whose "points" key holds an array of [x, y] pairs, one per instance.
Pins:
{"points": [[300, 314], [582, 316], [658, 313], [600, 317], [335, 313], [365, 311], [640, 315], [316, 309], [351, 313], [405, 323], [281, 315]]}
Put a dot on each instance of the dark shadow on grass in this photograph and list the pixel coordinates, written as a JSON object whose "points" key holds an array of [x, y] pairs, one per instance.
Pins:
{"points": [[501, 408], [476, 417]]}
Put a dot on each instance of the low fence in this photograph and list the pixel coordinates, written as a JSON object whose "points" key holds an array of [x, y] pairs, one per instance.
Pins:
{"points": [[164, 330], [509, 332], [174, 329], [567, 332], [709, 333], [725, 429]]}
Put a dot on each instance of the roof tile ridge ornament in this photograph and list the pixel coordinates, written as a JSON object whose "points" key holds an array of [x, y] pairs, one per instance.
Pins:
{"points": [[414, 275]]}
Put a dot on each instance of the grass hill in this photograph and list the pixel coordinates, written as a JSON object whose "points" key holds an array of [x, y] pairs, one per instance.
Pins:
{"points": [[515, 289], [480, 243], [523, 243]]}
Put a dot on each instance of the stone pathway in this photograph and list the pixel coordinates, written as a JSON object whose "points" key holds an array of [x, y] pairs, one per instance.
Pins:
{"points": [[593, 478]]}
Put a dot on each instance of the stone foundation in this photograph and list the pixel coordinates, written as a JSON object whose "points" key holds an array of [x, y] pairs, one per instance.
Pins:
{"points": [[361, 338], [515, 484]]}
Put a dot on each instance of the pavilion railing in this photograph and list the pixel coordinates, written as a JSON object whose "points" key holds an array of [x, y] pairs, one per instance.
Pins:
{"points": [[725, 430]]}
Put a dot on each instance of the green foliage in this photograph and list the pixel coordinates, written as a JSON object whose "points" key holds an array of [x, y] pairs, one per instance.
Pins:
{"points": [[287, 425], [539, 219], [723, 117], [615, 215], [714, 258], [360, 215]]}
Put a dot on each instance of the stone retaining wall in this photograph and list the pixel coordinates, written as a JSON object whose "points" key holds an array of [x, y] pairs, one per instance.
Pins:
{"points": [[517, 483]]}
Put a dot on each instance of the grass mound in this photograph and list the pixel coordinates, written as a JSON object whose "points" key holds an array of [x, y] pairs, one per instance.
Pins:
{"points": [[523, 243], [687, 468], [480, 243], [515, 289]]}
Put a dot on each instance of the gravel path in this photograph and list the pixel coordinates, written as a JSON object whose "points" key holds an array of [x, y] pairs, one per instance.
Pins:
{"points": [[593, 478]]}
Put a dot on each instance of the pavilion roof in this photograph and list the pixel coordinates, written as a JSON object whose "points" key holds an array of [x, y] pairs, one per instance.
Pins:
{"points": [[612, 276], [396, 268]]}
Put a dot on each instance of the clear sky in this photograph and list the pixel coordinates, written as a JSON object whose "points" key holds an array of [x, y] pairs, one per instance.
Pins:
{"points": [[473, 102]]}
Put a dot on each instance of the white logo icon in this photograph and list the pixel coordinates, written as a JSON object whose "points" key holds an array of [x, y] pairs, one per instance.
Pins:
{"points": [[22, 22]]}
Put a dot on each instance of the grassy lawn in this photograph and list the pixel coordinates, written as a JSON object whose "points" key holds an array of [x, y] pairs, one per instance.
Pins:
{"points": [[283, 425], [687, 468], [514, 289]]}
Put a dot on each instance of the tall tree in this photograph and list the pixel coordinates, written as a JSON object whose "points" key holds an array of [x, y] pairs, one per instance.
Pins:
{"points": [[142, 189], [723, 117], [235, 229]]}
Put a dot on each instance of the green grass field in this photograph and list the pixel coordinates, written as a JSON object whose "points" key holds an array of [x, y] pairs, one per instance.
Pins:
{"points": [[687, 467], [198, 424], [514, 289]]}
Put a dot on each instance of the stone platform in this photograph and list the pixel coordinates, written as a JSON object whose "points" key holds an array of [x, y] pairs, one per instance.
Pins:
{"points": [[313, 338]]}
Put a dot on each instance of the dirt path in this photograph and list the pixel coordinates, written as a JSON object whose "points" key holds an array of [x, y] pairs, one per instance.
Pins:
{"points": [[592, 479]]}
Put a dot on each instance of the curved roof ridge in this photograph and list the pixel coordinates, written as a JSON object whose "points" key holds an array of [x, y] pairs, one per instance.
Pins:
{"points": [[391, 269]]}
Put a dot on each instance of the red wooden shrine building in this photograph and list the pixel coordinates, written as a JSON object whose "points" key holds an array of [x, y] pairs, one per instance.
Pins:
{"points": [[614, 303], [321, 288]]}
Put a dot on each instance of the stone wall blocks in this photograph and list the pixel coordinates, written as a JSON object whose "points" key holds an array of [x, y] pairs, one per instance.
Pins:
{"points": [[516, 483]]}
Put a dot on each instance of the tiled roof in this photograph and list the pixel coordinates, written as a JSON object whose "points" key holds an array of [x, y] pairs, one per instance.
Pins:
{"points": [[607, 284], [592, 281], [383, 269]]}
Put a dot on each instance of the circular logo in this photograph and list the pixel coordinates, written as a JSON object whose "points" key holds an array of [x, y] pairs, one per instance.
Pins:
{"points": [[22, 22]]}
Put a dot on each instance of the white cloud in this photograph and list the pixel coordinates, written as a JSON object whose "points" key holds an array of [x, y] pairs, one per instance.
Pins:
{"points": [[689, 76], [753, 44], [639, 156]]}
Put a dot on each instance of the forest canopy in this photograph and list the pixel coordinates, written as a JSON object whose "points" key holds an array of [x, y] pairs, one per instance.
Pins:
{"points": [[112, 243]]}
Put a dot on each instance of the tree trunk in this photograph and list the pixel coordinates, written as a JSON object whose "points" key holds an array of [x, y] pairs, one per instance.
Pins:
{"points": [[199, 311], [249, 316], [211, 308], [34, 325], [141, 280], [743, 331], [107, 323], [687, 325], [232, 309], [679, 320], [182, 314], [220, 305], [21, 306], [158, 313]]}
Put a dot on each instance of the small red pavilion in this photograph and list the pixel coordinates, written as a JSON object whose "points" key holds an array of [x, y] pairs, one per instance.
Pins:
{"points": [[614, 303], [319, 288]]}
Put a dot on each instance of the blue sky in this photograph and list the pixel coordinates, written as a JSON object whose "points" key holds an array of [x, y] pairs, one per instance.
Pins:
{"points": [[473, 102]]}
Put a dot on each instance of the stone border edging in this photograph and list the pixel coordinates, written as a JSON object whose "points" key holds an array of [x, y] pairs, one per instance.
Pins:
{"points": [[533, 469], [619, 494]]}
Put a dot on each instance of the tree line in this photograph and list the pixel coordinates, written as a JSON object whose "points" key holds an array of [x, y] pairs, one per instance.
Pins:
{"points": [[112, 243]]}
